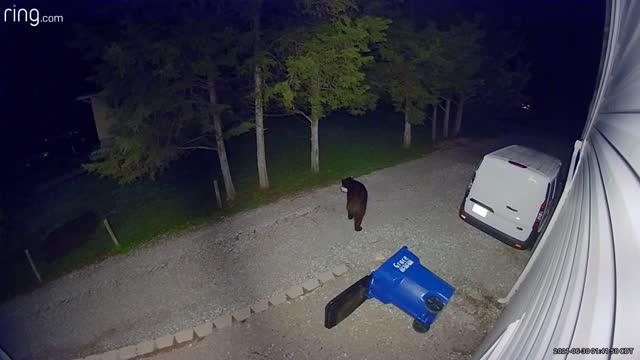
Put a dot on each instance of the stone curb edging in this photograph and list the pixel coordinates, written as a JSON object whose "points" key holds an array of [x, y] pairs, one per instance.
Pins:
{"points": [[198, 332]]}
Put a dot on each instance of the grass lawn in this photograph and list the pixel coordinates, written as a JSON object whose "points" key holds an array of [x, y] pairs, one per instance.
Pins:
{"points": [[184, 196]]}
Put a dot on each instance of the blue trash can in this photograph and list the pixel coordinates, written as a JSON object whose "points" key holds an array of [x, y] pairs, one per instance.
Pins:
{"points": [[405, 283], [401, 281]]}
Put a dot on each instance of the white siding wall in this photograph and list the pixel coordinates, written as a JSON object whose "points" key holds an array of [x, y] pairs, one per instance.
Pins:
{"points": [[581, 287]]}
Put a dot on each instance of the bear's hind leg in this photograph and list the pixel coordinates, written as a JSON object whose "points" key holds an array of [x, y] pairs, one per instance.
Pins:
{"points": [[357, 222]]}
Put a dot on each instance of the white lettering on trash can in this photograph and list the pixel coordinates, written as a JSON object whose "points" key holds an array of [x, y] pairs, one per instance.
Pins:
{"points": [[403, 264]]}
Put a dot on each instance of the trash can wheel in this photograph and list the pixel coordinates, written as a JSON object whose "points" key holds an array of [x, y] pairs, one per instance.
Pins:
{"points": [[420, 327], [434, 304]]}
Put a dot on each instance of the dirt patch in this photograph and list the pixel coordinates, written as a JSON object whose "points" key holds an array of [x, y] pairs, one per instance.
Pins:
{"points": [[70, 236]]}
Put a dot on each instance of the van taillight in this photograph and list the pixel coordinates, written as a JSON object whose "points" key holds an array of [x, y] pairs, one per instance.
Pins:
{"points": [[469, 187], [536, 224]]}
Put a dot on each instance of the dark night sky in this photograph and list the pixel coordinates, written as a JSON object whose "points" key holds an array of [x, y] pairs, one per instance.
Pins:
{"points": [[564, 44], [41, 77]]}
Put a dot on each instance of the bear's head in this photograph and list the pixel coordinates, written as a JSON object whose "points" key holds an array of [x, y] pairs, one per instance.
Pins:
{"points": [[346, 184]]}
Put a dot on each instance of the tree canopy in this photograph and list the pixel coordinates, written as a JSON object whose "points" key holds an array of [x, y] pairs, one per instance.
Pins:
{"points": [[154, 80], [171, 86], [407, 69], [325, 68], [465, 57]]}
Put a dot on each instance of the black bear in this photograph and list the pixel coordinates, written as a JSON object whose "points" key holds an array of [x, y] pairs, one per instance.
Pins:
{"points": [[356, 200]]}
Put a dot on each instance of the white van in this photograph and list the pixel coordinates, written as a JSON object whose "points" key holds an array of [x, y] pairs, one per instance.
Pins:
{"points": [[511, 193]]}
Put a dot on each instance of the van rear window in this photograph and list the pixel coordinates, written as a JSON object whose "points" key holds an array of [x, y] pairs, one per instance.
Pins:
{"points": [[517, 164], [481, 204]]}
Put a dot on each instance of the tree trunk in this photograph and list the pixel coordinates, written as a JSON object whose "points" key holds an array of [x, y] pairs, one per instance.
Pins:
{"points": [[458, 124], [263, 177], [315, 146], [222, 151], [314, 119], [447, 112], [434, 124], [406, 143]]}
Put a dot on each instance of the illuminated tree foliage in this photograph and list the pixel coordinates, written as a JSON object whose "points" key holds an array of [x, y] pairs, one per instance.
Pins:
{"points": [[407, 72], [161, 83], [324, 71]]}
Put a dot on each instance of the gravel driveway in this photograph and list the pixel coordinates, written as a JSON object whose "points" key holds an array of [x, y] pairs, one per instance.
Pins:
{"points": [[185, 280], [295, 330]]}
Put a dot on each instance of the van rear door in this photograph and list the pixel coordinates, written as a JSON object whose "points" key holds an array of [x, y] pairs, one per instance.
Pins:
{"points": [[506, 196]]}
